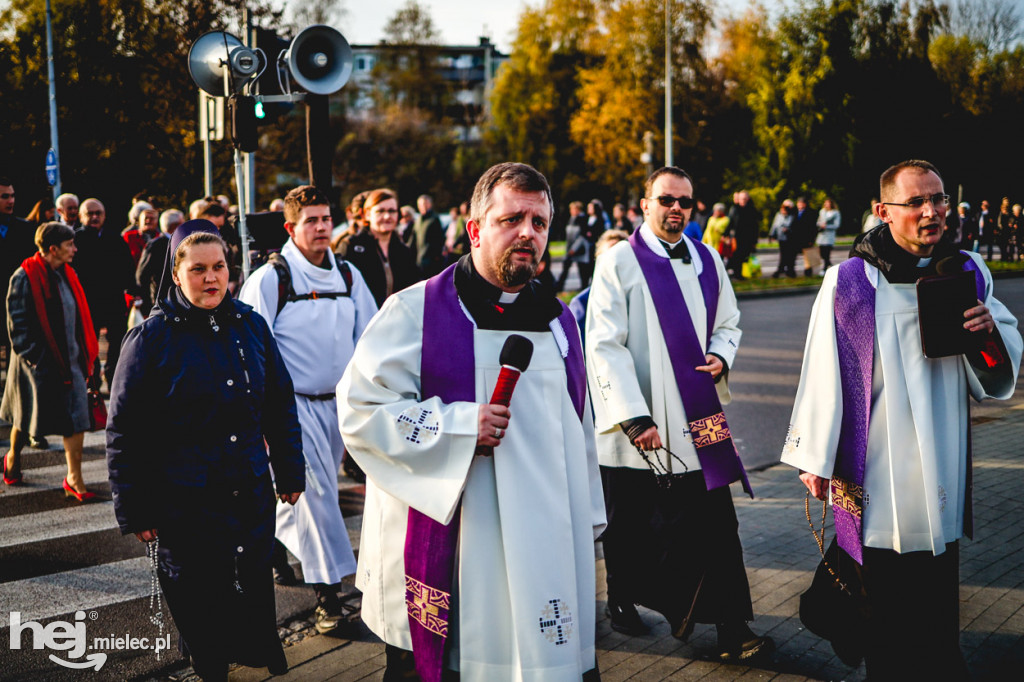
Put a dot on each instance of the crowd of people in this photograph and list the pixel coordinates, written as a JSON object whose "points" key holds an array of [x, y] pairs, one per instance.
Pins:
{"points": [[500, 431]]}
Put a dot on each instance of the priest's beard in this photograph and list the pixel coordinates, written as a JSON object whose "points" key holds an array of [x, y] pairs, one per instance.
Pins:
{"points": [[673, 228], [514, 274]]}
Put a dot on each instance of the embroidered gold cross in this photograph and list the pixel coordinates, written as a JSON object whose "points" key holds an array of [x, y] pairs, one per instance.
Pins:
{"points": [[709, 430]]}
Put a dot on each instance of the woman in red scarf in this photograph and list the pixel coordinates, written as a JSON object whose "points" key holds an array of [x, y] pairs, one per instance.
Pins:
{"points": [[54, 351]]}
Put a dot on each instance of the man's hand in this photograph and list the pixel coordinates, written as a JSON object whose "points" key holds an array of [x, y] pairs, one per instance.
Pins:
{"points": [[491, 425], [979, 319], [714, 366], [816, 484], [147, 535], [290, 498], [649, 439]]}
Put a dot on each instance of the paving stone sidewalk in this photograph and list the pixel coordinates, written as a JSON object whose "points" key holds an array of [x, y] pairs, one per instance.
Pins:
{"points": [[780, 557]]}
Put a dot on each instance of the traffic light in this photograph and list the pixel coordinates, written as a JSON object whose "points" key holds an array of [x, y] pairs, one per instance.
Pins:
{"points": [[268, 83], [242, 114]]}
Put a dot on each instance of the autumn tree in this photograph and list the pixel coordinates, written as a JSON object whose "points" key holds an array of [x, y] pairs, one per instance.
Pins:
{"points": [[535, 93]]}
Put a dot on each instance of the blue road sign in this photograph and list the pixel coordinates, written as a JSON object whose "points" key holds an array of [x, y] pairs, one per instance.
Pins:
{"points": [[51, 167]]}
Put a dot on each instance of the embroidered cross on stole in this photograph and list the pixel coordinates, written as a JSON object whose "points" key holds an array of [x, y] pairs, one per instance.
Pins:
{"points": [[448, 370]]}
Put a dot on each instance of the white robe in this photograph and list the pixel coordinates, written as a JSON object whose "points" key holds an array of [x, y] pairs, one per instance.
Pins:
{"points": [[628, 365], [916, 465], [529, 515], [316, 339]]}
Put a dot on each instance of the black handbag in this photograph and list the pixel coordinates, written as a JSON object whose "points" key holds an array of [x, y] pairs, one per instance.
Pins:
{"points": [[835, 607]]}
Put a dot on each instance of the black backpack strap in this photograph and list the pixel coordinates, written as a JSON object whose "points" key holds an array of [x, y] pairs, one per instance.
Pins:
{"points": [[285, 292], [346, 272]]}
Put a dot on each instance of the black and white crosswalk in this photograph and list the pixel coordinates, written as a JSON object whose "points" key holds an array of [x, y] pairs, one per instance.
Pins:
{"points": [[75, 595]]}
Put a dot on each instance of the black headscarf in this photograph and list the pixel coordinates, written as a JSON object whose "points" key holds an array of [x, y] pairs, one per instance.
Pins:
{"points": [[184, 230]]}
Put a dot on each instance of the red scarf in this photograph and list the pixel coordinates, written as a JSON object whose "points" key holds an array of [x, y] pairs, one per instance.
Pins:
{"points": [[38, 271]]}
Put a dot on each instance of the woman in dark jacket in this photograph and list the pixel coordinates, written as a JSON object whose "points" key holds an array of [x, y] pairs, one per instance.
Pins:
{"points": [[54, 350], [387, 264], [197, 480]]}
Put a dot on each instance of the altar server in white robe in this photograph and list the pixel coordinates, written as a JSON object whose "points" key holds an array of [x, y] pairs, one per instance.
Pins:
{"points": [[317, 307], [662, 331], [477, 546], [885, 430]]}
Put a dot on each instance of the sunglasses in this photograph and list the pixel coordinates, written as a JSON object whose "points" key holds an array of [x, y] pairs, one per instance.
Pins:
{"points": [[668, 201]]}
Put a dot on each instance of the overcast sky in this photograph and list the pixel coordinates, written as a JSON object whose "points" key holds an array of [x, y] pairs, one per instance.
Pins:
{"points": [[461, 22]]}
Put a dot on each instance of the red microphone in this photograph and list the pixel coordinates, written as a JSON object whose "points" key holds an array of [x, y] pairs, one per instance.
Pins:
{"points": [[514, 358]]}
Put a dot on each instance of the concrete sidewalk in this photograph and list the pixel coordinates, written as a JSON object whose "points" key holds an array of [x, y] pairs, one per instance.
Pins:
{"points": [[780, 558]]}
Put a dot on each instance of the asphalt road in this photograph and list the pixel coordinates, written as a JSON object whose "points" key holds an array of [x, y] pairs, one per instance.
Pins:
{"points": [[767, 368]]}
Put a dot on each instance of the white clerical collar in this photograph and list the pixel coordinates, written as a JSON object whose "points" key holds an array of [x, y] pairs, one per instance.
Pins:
{"points": [[647, 234], [924, 262], [508, 297]]}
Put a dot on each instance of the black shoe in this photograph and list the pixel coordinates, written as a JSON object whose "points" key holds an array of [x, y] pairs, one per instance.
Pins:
{"points": [[682, 629], [626, 620], [38, 443], [737, 642]]}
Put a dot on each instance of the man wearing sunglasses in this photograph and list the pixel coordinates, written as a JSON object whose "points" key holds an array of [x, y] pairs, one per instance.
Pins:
{"points": [[884, 430], [662, 331]]}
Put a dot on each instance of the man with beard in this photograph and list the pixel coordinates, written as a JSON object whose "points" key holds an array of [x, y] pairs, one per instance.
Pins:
{"points": [[490, 511], [662, 331], [884, 430]]}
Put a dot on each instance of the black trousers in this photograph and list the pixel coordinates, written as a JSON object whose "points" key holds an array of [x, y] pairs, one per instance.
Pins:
{"points": [[914, 621], [401, 667], [670, 548]]}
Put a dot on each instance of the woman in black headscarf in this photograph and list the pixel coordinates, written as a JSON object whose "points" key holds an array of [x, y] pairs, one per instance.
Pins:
{"points": [[198, 481]]}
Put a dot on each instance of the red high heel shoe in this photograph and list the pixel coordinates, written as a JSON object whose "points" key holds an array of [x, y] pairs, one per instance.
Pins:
{"points": [[71, 492], [10, 481]]}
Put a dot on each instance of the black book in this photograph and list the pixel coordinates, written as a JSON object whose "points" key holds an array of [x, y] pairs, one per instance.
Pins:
{"points": [[942, 301]]}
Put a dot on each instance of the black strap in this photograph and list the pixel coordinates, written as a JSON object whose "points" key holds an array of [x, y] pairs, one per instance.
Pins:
{"points": [[286, 292]]}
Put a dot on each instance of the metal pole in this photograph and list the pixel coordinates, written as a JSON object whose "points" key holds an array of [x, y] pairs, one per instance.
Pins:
{"points": [[53, 98], [250, 157], [243, 231], [668, 85], [207, 114]]}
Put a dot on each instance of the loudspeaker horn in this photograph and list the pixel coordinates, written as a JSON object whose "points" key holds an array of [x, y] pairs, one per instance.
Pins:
{"points": [[320, 60], [216, 51]]}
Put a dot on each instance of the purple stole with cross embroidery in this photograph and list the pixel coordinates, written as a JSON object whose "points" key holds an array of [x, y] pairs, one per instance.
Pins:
{"points": [[854, 309], [448, 371], [708, 427]]}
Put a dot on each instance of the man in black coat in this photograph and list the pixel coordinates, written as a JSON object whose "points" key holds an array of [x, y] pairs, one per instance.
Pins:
{"points": [[107, 272], [805, 228], [745, 225], [16, 244]]}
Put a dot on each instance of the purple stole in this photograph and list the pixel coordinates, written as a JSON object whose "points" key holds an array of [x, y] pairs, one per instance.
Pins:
{"points": [[448, 371], [854, 310], [708, 427]]}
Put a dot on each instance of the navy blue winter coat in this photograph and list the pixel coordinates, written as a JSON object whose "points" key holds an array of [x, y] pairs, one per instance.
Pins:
{"points": [[194, 395]]}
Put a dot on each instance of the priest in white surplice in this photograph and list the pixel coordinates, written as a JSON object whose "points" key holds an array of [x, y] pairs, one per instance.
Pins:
{"points": [[477, 547], [317, 307], [662, 331], [885, 430]]}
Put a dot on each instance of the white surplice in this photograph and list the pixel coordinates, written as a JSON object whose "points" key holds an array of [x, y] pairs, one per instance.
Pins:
{"points": [[628, 365], [529, 514], [916, 465], [316, 339]]}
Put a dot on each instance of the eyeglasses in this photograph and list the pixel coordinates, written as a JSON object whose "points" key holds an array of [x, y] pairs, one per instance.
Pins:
{"points": [[917, 202], [668, 201]]}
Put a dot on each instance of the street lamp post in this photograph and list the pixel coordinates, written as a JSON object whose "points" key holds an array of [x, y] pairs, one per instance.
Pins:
{"points": [[668, 83], [53, 98]]}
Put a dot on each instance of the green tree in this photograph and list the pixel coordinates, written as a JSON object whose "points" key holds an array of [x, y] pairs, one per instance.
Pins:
{"points": [[535, 93]]}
